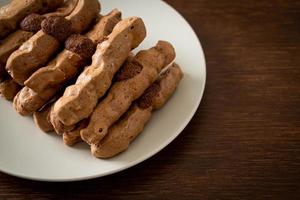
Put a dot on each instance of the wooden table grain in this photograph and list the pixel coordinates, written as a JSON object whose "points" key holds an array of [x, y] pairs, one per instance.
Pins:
{"points": [[244, 141]]}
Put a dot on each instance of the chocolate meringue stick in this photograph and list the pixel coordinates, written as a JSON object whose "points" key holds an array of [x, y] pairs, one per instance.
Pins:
{"points": [[35, 52], [30, 25], [122, 133], [100, 30], [49, 76], [42, 119], [16, 10], [72, 137], [8, 87], [131, 81], [80, 99], [103, 28], [65, 10], [47, 81]]}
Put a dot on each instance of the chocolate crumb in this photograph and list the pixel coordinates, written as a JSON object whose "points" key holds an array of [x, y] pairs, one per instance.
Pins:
{"points": [[81, 45], [57, 26], [32, 23], [129, 70], [147, 99]]}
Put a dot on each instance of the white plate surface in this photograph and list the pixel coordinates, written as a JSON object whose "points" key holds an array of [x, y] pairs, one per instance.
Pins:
{"points": [[27, 152]]}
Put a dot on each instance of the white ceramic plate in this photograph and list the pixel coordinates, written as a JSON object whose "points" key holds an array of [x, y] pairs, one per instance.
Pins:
{"points": [[27, 152]]}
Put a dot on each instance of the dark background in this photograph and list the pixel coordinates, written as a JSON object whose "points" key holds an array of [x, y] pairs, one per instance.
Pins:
{"points": [[244, 141]]}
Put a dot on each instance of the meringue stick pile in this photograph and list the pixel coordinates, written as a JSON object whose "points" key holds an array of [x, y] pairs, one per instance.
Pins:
{"points": [[40, 84], [125, 130], [74, 71], [80, 99], [130, 83], [16, 10], [47, 81], [29, 26], [37, 51]]}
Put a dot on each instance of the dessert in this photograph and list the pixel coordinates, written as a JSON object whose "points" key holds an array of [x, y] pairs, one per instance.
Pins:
{"points": [[35, 52], [94, 89], [130, 83], [58, 126], [133, 122], [77, 50], [42, 119], [72, 137], [28, 27], [9, 88], [64, 10], [14, 40], [104, 26], [16, 10], [80, 99], [48, 80]]}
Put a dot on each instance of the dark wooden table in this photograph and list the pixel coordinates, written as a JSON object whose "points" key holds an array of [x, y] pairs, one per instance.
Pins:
{"points": [[244, 141]]}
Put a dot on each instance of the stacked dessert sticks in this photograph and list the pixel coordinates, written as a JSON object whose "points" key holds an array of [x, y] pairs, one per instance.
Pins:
{"points": [[73, 70]]}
